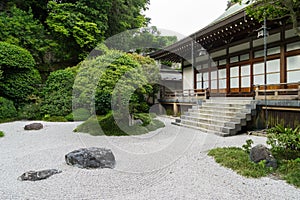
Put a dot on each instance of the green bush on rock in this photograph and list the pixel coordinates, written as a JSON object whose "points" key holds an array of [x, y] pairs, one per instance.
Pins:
{"points": [[106, 125]]}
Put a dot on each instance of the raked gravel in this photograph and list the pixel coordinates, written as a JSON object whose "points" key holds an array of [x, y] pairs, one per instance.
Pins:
{"points": [[170, 163]]}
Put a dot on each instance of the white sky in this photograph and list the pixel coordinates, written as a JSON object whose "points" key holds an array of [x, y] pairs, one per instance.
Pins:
{"points": [[184, 16]]}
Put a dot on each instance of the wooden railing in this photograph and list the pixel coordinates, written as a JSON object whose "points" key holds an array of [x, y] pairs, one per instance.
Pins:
{"points": [[289, 91], [201, 94]]}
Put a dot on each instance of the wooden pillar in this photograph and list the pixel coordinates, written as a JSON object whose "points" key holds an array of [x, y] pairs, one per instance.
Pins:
{"points": [[175, 109], [283, 70], [227, 69], [251, 56]]}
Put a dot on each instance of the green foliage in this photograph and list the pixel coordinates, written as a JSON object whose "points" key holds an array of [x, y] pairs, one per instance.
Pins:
{"points": [[7, 109], [30, 111], [290, 171], [169, 112], [115, 74], [20, 79], [1, 134], [124, 16], [19, 27], [19, 85], [145, 117], [106, 125], [141, 41], [57, 93], [238, 160], [247, 147], [13, 57], [79, 114], [285, 142], [50, 118], [77, 25], [273, 10]]}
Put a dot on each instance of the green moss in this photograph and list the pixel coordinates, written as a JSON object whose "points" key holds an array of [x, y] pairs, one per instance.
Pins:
{"points": [[1, 134], [106, 125]]}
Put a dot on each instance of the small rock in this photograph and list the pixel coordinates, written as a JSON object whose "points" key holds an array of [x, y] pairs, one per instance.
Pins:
{"points": [[261, 152], [33, 126], [38, 175], [92, 157]]}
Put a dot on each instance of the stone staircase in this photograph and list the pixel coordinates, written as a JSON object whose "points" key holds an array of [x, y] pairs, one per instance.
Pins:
{"points": [[221, 116]]}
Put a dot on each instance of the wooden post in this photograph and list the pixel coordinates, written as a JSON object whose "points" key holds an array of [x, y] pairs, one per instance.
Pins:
{"points": [[298, 90], [175, 109]]}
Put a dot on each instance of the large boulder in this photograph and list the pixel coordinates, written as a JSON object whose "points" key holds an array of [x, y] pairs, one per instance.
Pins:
{"points": [[33, 126], [38, 175], [92, 157], [261, 152]]}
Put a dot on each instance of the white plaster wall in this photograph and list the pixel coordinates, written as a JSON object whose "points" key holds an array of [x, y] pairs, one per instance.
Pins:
{"points": [[188, 78]]}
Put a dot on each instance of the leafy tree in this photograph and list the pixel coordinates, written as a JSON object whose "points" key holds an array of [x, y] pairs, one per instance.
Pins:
{"points": [[20, 28], [142, 40], [126, 15], [114, 76], [77, 26], [272, 10]]}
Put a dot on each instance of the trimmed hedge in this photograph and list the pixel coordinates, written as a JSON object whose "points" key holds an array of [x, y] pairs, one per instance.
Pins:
{"points": [[15, 57], [19, 78]]}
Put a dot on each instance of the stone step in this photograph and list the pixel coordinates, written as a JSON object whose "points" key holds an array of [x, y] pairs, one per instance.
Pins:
{"points": [[224, 104], [225, 108], [247, 116], [242, 120], [211, 121], [212, 127], [201, 129]]}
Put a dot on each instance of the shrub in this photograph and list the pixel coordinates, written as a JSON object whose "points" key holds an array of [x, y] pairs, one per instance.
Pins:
{"points": [[49, 118], [19, 77], [2, 134], [145, 117], [31, 111], [80, 114], [7, 109], [285, 142], [14, 57], [57, 93], [20, 85]]}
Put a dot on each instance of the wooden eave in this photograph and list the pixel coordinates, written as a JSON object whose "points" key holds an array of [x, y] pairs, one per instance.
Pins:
{"points": [[232, 28]]}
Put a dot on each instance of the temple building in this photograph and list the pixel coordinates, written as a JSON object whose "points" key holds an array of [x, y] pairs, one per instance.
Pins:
{"points": [[238, 58]]}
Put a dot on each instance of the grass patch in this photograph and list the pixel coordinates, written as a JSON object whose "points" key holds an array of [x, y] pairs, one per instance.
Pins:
{"points": [[106, 125], [1, 134], [238, 160]]}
